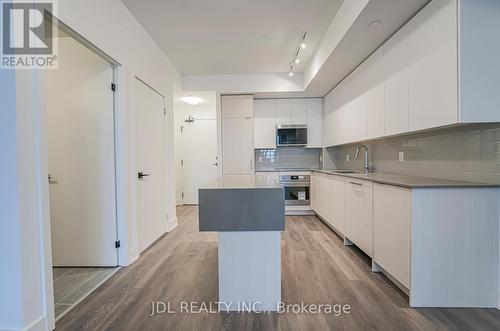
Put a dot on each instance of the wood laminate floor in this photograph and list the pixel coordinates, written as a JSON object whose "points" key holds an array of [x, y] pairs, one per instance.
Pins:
{"points": [[316, 269]]}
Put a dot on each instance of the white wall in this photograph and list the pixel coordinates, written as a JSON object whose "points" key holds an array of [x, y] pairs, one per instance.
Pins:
{"points": [[245, 84], [23, 299], [26, 279]]}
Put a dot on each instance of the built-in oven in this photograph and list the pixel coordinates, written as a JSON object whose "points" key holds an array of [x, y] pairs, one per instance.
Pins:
{"points": [[291, 135], [297, 189]]}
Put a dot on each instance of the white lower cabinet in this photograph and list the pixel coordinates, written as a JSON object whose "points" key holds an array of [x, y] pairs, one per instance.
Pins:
{"points": [[328, 199], [323, 196], [337, 203], [391, 230], [439, 243], [358, 214], [314, 191]]}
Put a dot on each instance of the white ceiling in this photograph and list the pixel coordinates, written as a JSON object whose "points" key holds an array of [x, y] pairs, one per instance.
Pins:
{"points": [[234, 36]]}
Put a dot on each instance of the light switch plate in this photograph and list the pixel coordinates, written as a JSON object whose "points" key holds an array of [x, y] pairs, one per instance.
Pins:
{"points": [[401, 156]]}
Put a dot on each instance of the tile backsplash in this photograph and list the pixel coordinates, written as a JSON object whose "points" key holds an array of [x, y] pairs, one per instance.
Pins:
{"points": [[287, 158], [470, 153]]}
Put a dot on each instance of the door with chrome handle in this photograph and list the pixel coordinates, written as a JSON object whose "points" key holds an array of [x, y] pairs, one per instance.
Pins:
{"points": [[141, 175]]}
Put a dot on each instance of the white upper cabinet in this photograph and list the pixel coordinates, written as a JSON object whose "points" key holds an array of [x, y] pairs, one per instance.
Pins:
{"points": [[341, 108], [397, 101], [271, 113], [265, 124], [366, 116], [298, 111], [237, 106], [358, 99], [282, 111], [433, 79], [375, 95], [314, 123], [412, 83], [328, 121]]}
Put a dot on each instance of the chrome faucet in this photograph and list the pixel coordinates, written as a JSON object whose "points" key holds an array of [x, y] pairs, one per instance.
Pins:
{"points": [[356, 156]]}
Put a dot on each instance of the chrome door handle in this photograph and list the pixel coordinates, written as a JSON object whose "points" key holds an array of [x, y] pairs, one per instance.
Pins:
{"points": [[215, 164]]}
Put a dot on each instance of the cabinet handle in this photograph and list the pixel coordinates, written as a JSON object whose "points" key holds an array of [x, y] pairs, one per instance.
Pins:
{"points": [[354, 183], [251, 165]]}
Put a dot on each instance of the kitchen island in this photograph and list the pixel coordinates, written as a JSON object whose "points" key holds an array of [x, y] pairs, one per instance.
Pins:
{"points": [[248, 212]]}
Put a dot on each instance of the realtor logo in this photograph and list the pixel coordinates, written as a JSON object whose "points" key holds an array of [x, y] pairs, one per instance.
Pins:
{"points": [[28, 35]]}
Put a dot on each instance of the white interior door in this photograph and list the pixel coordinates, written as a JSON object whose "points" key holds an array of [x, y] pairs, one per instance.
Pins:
{"points": [[199, 155], [81, 158], [151, 147]]}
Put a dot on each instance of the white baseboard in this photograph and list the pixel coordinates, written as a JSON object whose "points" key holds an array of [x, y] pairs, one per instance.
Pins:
{"points": [[498, 300], [172, 224], [38, 325], [133, 255]]}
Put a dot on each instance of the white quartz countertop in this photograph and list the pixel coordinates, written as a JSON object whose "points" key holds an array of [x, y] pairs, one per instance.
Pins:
{"points": [[244, 182], [412, 182]]}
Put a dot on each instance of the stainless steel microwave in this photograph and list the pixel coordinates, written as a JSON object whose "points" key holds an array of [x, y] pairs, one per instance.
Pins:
{"points": [[291, 135]]}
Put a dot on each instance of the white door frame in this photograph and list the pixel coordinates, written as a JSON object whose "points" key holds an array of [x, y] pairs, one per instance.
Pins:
{"points": [[123, 163], [112, 252]]}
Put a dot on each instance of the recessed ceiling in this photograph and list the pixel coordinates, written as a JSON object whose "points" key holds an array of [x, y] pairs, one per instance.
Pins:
{"points": [[234, 36]]}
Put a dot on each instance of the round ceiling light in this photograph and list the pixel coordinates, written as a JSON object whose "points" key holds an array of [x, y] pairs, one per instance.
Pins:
{"points": [[192, 100]]}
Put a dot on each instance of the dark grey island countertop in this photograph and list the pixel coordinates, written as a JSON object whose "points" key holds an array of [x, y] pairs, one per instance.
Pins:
{"points": [[242, 203]]}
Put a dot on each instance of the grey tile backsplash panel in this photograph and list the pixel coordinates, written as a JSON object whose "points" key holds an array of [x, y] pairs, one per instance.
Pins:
{"points": [[470, 153], [287, 158]]}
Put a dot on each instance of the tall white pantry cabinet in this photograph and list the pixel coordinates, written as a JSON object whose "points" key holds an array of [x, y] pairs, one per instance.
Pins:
{"points": [[237, 135]]}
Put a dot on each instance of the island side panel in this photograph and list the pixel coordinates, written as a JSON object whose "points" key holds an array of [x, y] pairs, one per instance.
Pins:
{"points": [[454, 248], [253, 209], [250, 270]]}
